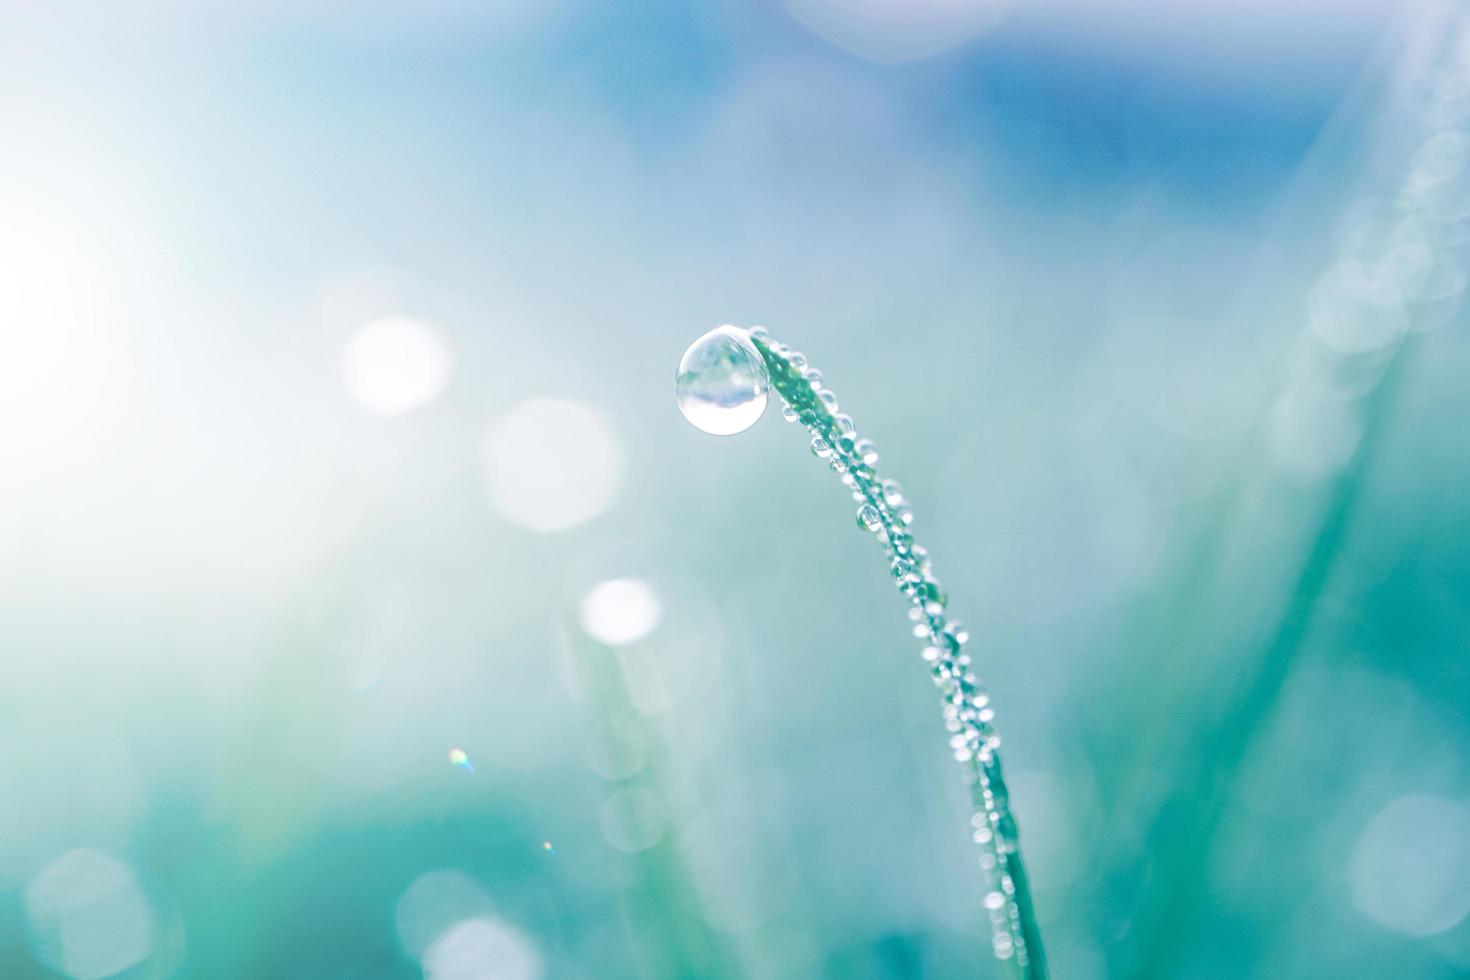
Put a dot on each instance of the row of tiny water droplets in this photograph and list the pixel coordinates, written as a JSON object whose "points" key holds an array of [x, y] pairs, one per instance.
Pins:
{"points": [[883, 511]]}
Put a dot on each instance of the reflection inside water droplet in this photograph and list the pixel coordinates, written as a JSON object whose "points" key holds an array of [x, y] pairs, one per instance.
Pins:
{"points": [[722, 385]]}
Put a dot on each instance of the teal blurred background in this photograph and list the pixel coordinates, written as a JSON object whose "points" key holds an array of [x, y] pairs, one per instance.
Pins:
{"points": [[367, 609]]}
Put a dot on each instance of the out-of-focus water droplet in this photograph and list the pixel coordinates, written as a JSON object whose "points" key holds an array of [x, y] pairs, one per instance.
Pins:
{"points": [[89, 916], [820, 449], [789, 414], [1410, 868], [890, 32], [721, 385], [621, 611], [533, 478], [867, 451], [433, 904], [892, 493], [395, 365], [633, 819], [868, 518], [482, 947], [826, 397]]}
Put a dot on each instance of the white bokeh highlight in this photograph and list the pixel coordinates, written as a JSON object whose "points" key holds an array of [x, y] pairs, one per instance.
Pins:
{"points": [[395, 365], [740, 888], [620, 611], [894, 31], [482, 949], [551, 464], [1410, 867], [633, 819], [433, 904], [88, 916]]}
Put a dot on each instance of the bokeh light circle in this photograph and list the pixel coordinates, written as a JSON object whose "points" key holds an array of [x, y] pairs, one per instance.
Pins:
{"points": [[481, 949], [633, 819], [395, 365], [1410, 868], [620, 611], [895, 31], [433, 904], [89, 916], [552, 464]]}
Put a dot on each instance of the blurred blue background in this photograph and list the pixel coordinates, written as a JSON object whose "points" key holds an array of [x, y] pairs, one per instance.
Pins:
{"points": [[368, 610]]}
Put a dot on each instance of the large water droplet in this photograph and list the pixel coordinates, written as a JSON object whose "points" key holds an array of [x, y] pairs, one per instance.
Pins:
{"points": [[722, 384]]}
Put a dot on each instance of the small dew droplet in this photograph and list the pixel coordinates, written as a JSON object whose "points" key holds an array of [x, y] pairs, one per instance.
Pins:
{"points": [[868, 518]]}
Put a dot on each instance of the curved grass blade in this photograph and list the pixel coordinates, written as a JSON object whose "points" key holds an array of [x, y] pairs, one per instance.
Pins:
{"points": [[882, 510]]}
